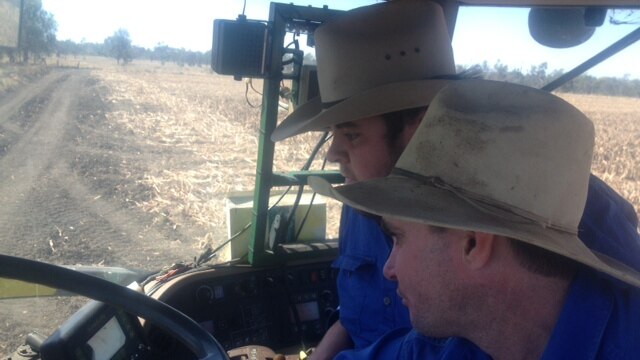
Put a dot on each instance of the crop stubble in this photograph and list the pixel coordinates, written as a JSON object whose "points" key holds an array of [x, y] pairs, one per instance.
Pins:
{"points": [[206, 115], [196, 111]]}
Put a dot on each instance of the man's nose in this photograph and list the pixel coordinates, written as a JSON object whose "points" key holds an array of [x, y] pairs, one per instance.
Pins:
{"points": [[389, 269]]}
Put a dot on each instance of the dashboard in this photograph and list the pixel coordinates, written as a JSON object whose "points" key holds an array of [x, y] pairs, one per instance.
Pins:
{"points": [[278, 307], [284, 308]]}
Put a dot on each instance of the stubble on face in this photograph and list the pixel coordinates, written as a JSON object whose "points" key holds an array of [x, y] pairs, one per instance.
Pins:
{"points": [[426, 272]]}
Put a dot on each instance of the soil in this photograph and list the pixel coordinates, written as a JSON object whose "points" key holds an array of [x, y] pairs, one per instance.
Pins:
{"points": [[66, 199]]}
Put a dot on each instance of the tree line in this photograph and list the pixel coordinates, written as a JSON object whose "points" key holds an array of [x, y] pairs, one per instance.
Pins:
{"points": [[119, 47], [539, 75], [38, 39]]}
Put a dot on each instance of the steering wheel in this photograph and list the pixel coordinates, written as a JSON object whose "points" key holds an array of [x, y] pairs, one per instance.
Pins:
{"points": [[175, 323]]}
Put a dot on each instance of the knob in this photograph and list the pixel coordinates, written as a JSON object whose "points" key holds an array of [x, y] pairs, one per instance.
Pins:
{"points": [[204, 293], [326, 295]]}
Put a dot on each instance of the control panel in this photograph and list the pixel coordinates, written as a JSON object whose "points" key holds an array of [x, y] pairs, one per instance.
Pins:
{"points": [[274, 307]]}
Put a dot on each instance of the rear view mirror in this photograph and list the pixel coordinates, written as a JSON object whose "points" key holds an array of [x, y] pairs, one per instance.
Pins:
{"points": [[561, 27], [10, 23]]}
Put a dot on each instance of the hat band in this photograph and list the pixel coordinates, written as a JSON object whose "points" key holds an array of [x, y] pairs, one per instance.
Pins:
{"points": [[326, 105], [483, 203], [467, 74]]}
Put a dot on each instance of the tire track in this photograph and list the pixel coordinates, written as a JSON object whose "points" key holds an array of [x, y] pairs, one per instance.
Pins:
{"points": [[23, 167], [69, 182], [11, 104], [66, 198]]}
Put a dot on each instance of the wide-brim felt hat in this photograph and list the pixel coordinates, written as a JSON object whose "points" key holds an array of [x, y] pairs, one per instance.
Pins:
{"points": [[374, 60], [498, 158]]}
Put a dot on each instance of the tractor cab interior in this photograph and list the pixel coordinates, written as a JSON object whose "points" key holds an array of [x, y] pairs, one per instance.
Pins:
{"points": [[276, 293]]}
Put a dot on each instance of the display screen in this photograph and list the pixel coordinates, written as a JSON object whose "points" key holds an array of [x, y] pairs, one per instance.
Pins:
{"points": [[308, 311], [107, 341]]}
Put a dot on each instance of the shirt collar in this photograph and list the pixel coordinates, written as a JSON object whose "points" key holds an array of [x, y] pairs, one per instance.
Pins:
{"points": [[582, 322]]}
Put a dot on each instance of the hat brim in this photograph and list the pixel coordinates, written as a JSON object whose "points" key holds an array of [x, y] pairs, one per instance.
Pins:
{"points": [[312, 116], [404, 198]]}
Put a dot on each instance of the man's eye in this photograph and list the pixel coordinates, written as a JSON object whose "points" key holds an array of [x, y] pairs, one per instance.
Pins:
{"points": [[351, 136], [387, 231]]}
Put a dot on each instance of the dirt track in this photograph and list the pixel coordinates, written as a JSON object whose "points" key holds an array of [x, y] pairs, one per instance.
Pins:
{"points": [[65, 197]]}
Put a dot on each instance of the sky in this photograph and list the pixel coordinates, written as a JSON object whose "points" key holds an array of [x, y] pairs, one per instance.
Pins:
{"points": [[479, 36]]}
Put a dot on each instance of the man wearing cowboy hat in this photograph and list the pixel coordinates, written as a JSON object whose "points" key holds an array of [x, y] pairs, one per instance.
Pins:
{"points": [[483, 207], [379, 67]]}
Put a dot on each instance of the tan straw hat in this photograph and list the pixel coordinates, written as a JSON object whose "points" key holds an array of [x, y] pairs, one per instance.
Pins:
{"points": [[374, 60], [493, 157]]}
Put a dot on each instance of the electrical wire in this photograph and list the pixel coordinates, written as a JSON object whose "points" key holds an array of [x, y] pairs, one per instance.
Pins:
{"points": [[294, 309], [307, 165], [249, 85], [179, 269], [314, 152], [306, 215], [246, 93]]}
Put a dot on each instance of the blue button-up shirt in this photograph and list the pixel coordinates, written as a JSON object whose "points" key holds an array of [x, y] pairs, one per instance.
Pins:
{"points": [[406, 343], [369, 303], [609, 224], [600, 318]]}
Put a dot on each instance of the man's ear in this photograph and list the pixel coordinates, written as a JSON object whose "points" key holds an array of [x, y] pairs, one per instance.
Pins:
{"points": [[478, 249]]}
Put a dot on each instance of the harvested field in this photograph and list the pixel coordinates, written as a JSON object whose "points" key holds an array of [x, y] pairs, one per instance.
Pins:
{"points": [[216, 119], [617, 153], [177, 110], [129, 166], [207, 115]]}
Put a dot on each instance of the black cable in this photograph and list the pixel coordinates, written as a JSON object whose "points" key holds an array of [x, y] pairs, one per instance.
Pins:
{"points": [[246, 94], [307, 165], [254, 89], [306, 215], [323, 139], [210, 254], [326, 136]]}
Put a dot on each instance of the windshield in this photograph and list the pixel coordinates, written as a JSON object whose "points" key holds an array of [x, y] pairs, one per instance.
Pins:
{"points": [[132, 155]]}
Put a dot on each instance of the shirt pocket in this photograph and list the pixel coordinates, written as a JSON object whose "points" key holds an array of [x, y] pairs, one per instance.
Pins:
{"points": [[355, 279], [353, 263]]}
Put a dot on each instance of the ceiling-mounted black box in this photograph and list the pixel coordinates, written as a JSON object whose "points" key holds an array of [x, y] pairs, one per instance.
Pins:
{"points": [[239, 48]]}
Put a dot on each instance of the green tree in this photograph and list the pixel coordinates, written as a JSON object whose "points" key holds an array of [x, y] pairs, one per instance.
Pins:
{"points": [[537, 75], [161, 52], [501, 70], [38, 31], [118, 46]]}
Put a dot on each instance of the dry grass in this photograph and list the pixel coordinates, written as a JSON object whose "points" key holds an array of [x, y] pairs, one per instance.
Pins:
{"points": [[206, 115], [194, 110], [13, 76], [617, 123]]}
